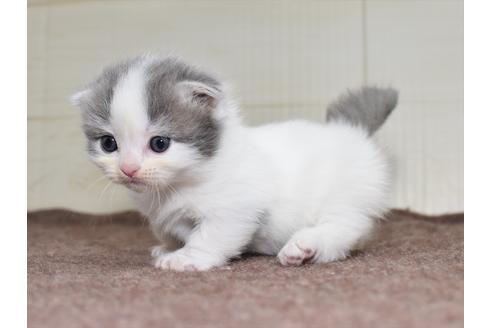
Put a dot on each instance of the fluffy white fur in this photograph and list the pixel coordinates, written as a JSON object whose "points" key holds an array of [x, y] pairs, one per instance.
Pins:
{"points": [[303, 191], [299, 190]]}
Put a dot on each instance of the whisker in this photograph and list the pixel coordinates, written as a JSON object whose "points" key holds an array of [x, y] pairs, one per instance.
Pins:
{"points": [[153, 197], [166, 195], [112, 196], [94, 183], [105, 188], [158, 196]]}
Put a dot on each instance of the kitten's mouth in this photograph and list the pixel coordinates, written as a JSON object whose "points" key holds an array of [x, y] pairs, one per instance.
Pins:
{"points": [[135, 185], [136, 182], [133, 182]]}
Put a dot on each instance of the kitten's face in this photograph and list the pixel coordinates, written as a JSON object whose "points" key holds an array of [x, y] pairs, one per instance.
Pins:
{"points": [[150, 122]]}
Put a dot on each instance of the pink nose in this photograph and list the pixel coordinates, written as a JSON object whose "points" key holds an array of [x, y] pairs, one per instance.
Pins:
{"points": [[129, 170]]}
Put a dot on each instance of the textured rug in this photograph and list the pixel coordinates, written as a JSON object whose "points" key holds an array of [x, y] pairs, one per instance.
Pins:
{"points": [[94, 271]]}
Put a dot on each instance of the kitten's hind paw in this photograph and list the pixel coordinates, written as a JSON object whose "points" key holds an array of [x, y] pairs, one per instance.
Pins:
{"points": [[295, 253]]}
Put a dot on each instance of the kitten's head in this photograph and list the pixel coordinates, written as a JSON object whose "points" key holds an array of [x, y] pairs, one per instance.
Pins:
{"points": [[151, 121]]}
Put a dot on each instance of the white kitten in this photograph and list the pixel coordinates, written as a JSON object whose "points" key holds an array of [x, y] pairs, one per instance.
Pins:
{"points": [[213, 188]]}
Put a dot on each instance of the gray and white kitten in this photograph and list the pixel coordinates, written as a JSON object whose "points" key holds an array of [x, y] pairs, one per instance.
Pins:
{"points": [[213, 188]]}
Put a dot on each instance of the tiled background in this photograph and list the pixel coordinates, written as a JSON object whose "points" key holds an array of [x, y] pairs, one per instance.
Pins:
{"points": [[285, 58]]}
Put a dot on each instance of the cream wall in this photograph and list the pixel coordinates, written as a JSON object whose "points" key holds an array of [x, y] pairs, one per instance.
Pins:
{"points": [[285, 58]]}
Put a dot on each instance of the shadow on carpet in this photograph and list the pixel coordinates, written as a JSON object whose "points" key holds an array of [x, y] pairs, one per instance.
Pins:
{"points": [[94, 271]]}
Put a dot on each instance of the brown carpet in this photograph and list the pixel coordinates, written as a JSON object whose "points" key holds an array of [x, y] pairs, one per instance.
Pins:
{"points": [[93, 271]]}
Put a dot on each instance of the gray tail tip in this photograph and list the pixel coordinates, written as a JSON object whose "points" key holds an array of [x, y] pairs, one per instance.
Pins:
{"points": [[390, 95], [368, 106], [376, 96]]}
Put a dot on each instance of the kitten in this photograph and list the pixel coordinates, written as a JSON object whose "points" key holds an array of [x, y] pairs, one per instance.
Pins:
{"points": [[213, 188]]}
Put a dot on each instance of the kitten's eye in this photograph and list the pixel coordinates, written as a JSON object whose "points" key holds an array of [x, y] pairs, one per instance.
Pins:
{"points": [[159, 144], [108, 144]]}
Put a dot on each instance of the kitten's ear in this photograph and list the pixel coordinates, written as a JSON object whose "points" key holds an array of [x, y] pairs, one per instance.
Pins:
{"points": [[80, 98], [199, 94]]}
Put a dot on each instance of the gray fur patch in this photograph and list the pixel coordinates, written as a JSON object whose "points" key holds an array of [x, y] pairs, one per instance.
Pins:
{"points": [[95, 101], [368, 107], [183, 121]]}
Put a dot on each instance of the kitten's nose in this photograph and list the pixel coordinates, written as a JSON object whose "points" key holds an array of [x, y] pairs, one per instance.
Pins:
{"points": [[129, 170]]}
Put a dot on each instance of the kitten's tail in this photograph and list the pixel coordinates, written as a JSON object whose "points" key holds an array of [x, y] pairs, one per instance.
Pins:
{"points": [[368, 107]]}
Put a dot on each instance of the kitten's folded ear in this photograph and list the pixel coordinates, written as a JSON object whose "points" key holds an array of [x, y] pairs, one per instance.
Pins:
{"points": [[80, 98], [199, 94]]}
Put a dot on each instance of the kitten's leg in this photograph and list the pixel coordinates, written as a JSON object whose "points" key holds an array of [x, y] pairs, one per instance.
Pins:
{"points": [[168, 245], [171, 238], [211, 244], [326, 242]]}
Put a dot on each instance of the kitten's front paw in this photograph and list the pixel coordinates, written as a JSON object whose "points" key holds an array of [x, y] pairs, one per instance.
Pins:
{"points": [[296, 253], [182, 261], [159, 250]]}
